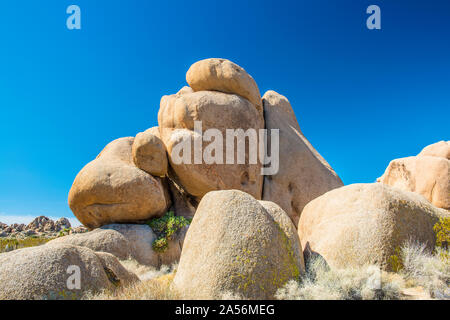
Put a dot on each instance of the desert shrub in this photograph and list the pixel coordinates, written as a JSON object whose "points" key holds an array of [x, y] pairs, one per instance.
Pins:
{"points": [[395, 260], [323, 283], [165, 227], [427, 269], [442, 230]]}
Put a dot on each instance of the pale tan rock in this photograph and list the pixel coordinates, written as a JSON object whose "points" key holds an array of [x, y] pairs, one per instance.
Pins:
{"points": [[366, 224], [428, 176], [149, 152], [440, 149], [219, 111], [224, 76], [111, 189], [43, 272], [303, 174], [234, 245]]}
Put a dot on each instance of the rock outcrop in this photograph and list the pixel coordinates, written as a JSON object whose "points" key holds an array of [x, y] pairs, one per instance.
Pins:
{"points": [[44, 272], [42, 226], [235, 245], [111, 189], [427, 174], [303, 174], [366, 223]]}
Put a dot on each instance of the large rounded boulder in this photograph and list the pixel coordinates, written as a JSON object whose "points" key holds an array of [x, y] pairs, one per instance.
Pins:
{"points": [[224, 76], [439, 149], [111, 189], [427, 174], [235, 245], [366, 224], [196, 173], [59, 271], [303, 173]]}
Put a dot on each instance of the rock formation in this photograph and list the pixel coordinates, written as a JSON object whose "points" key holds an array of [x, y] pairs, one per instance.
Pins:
{"points": [[303, 174], [427, 174]]}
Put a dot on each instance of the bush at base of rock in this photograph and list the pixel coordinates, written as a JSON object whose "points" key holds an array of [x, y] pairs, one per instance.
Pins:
{"points": [[234, 244]]}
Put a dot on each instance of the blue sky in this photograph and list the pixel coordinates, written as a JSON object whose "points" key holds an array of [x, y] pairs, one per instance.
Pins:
{"points": [[362, 97]]}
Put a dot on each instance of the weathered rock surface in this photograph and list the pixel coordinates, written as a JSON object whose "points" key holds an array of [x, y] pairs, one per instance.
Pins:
{"points": [[224, 76], [149, 152], [303, 174], [365, 223], [219, 111], [43, 272], [235, 245], [440, 149], [111, 189], [126, 241], [424, 174]]}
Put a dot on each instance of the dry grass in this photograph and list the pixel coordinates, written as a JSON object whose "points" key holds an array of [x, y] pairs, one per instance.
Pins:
{"points": [[323, 283], [154, 284], [423, 276], [428, 270], [10, 244]]}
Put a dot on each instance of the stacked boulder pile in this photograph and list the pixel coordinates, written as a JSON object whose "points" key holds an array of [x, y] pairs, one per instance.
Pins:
{"points": [[42, 227], [250, 234]]}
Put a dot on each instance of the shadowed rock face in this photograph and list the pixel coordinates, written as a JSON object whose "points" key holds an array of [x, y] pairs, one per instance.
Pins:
{"points": [[427, 174], [236, 245], [366, 223], [42, 272], [112, 189], [303, 175]]}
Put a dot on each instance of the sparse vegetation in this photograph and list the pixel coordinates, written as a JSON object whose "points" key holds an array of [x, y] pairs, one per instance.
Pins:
{"points": [[428, 270], [323, 283], [428, 274], [9, 244], [154, 285], [165, 227]]}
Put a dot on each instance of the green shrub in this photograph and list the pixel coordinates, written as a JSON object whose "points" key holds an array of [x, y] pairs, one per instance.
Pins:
{"points": [[396, 261], [165, 227], [442, 230]]}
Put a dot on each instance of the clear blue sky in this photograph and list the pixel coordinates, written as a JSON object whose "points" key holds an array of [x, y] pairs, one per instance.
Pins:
{"points": [[362, 97]]}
